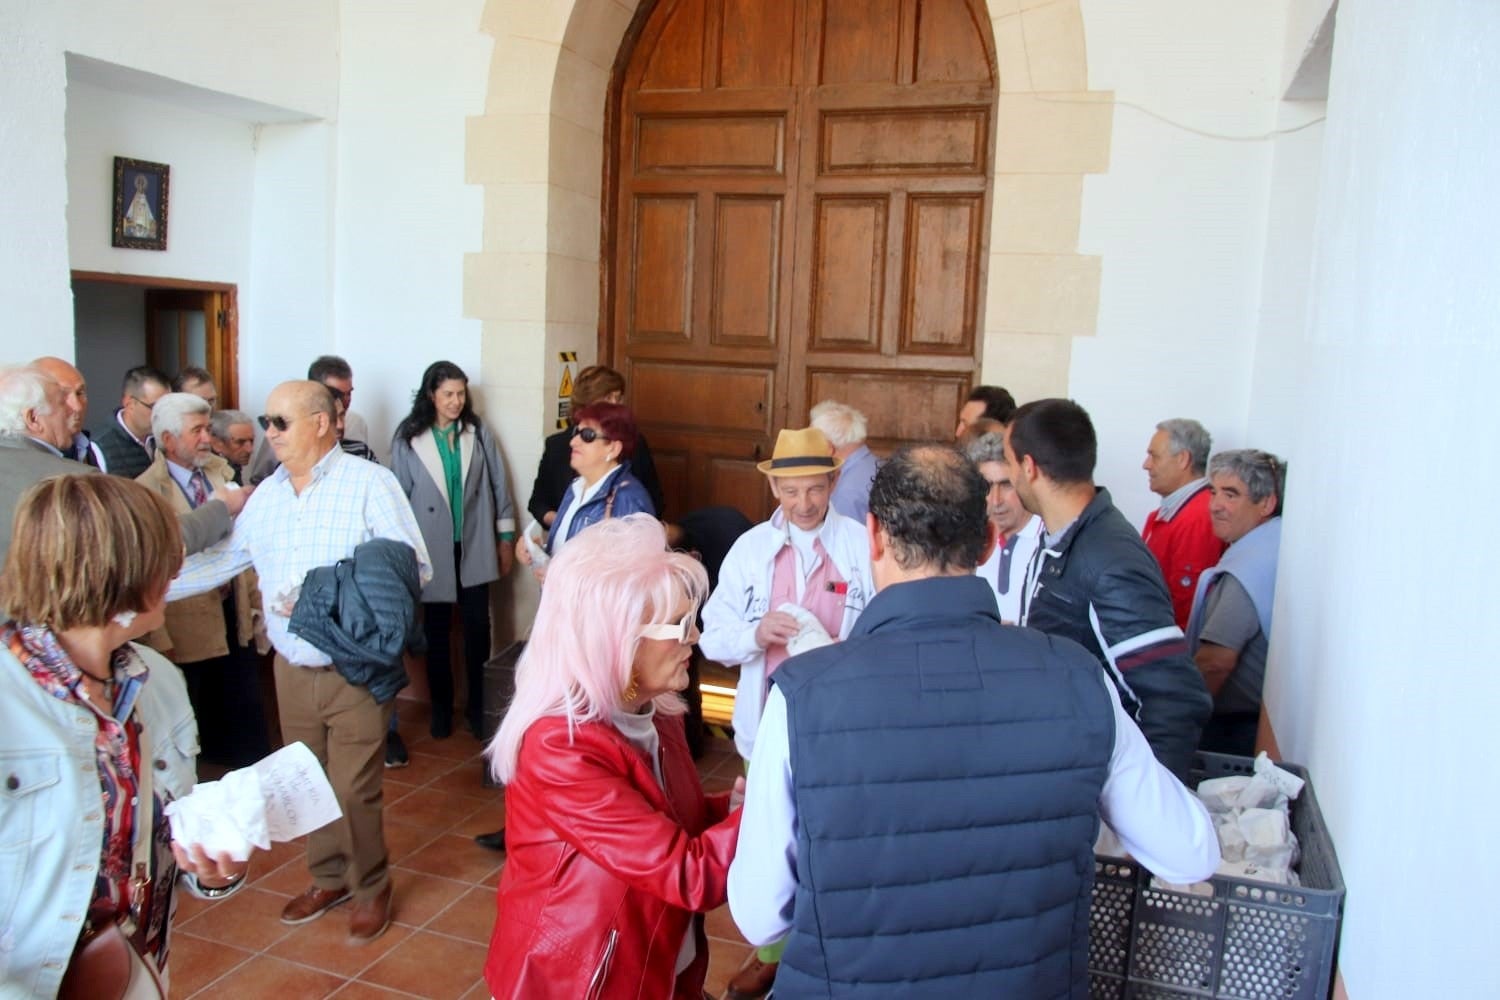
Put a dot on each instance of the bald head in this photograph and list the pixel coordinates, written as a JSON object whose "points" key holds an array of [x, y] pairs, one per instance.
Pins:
{"points": [[301, 423], [75, 392]]}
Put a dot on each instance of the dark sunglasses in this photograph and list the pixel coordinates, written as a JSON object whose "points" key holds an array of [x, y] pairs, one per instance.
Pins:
{"points": [[280, 423], [589, 435]]}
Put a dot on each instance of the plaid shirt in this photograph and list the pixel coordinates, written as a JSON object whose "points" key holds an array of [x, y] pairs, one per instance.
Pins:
{"points": [[284, 534], [117, 753]]}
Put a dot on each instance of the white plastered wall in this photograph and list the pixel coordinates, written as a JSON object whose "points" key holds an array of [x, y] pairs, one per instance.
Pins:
{"points": [[1382, 676], [217, 47]]}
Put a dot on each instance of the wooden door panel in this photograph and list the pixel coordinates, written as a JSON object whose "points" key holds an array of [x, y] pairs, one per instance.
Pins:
{"points": [[798, 197], [922, 140], [674, 52], [950, 46], [849, 273], [861, 41], [661, 292], [693, 397], [753, 49], [929, 399], [710, 144], [747, 271], [942, 243], [735, 482]]}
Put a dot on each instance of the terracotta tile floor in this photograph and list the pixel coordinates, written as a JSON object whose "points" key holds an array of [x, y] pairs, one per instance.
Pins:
{"points": [[444, 898]]}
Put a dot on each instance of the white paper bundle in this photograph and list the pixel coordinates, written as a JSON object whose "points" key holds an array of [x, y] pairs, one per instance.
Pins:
{"points": [[810, 632], [279, 798], [535, 537]]}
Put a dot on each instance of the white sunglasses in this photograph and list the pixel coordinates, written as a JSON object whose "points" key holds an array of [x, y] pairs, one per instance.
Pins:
{"points": [[676, 631]]}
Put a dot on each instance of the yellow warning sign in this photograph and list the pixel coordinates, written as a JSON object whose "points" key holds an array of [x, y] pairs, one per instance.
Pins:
{"points": [[568, 362]]}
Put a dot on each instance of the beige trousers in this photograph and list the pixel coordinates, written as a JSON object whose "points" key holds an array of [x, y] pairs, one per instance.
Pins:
{"points": [[345, 728]]}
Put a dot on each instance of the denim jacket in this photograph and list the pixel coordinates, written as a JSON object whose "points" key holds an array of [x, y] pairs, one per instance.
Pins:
{"points": [[51, 824]]}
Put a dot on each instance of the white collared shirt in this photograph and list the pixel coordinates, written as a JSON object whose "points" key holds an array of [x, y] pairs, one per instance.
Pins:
{"points": [[1160, 822], [284, 534]]}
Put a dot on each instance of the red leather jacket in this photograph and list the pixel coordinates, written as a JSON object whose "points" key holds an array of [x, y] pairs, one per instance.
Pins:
{"points": [[605, 871]]}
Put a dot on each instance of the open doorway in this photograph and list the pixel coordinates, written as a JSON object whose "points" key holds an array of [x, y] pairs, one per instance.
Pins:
{"points": [[121, 321]]}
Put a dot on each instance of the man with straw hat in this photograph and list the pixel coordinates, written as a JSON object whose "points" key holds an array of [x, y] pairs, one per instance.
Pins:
{"points": [[792, 583]]}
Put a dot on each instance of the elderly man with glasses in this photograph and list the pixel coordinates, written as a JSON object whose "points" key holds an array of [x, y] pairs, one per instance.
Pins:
{"points": [[126, 442], [314, 511]]}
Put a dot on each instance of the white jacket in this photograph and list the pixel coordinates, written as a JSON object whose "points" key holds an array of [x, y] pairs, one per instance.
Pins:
{"points": [[743, 597]]}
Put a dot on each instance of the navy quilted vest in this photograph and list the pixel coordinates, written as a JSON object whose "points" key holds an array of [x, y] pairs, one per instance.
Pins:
{"points": [[947, 774]]}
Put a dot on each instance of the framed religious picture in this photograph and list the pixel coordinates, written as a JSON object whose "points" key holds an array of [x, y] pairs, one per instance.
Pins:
{"points": [[140, 221]]}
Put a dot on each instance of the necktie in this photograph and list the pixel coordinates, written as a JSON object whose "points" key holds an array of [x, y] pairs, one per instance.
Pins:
{"points": [[199, 492]]}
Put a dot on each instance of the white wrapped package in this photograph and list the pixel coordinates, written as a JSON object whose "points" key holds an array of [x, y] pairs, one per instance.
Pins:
{"points": [[1222, 794], [1260, 793], [810, 632], [1285, 781], [1231, 838], [226, 816], [279, 798], [1268, 838]]}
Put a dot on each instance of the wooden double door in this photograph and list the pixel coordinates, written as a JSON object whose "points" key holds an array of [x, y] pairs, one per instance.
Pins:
{"points": [[799, 197]]}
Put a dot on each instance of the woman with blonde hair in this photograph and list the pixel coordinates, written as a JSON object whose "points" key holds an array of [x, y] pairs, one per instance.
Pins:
{"points": [[96, 737], [613, 847]]}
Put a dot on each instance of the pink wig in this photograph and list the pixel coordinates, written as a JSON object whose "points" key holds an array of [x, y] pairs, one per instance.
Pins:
{"points": [[611, 579]]}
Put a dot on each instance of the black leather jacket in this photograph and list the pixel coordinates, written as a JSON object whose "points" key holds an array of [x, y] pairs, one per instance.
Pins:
{"points": [[1100, 586]]}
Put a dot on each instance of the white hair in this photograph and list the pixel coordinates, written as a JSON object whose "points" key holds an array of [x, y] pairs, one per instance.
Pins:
{"points": [[22, 388], [168, 413], [840, 423]]}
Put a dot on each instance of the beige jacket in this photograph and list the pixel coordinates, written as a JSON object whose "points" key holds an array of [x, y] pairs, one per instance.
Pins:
{"points": [[194, 629]]}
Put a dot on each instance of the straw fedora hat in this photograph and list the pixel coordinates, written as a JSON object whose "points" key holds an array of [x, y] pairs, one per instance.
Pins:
{"points": [[801, 453]]}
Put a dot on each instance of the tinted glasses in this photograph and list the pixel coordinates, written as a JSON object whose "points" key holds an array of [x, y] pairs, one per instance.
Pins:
{"points": [[589, 435], [280, 423], [674, 631]]}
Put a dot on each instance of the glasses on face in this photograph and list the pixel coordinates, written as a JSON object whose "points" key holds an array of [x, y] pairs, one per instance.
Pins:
{"points": [[589, 435], [673, 631], [340, 395], [280, 423], [147, 405]]}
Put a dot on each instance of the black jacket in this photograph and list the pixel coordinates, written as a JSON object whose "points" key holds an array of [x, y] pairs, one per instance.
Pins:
{"points": [[362, 612], [1100, 586]]}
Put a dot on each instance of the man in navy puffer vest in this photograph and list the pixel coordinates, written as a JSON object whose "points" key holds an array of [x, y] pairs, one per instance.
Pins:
{"points": [[924, 797]]}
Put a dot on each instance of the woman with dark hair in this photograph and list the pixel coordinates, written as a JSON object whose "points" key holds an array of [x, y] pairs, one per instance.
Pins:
{"points": [[447, 462], [96, 737]]}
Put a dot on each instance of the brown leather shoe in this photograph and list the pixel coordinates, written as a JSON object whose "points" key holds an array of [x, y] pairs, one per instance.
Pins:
{"points": [[312, 904], [368, 918], [754, 980]]}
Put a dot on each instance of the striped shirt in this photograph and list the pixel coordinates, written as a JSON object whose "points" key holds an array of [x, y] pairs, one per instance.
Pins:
{"points": [[284, 534]]}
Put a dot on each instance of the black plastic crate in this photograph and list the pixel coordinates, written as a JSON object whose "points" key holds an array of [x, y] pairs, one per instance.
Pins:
{"points": [[1248, 941]]}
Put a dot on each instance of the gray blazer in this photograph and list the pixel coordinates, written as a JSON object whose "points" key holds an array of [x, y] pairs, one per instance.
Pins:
{"points": [[487, 507], [24, 462]]}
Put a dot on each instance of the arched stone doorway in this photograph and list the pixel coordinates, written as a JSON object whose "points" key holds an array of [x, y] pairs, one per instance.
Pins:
{"points": [[539, 152], [798, 198]]}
